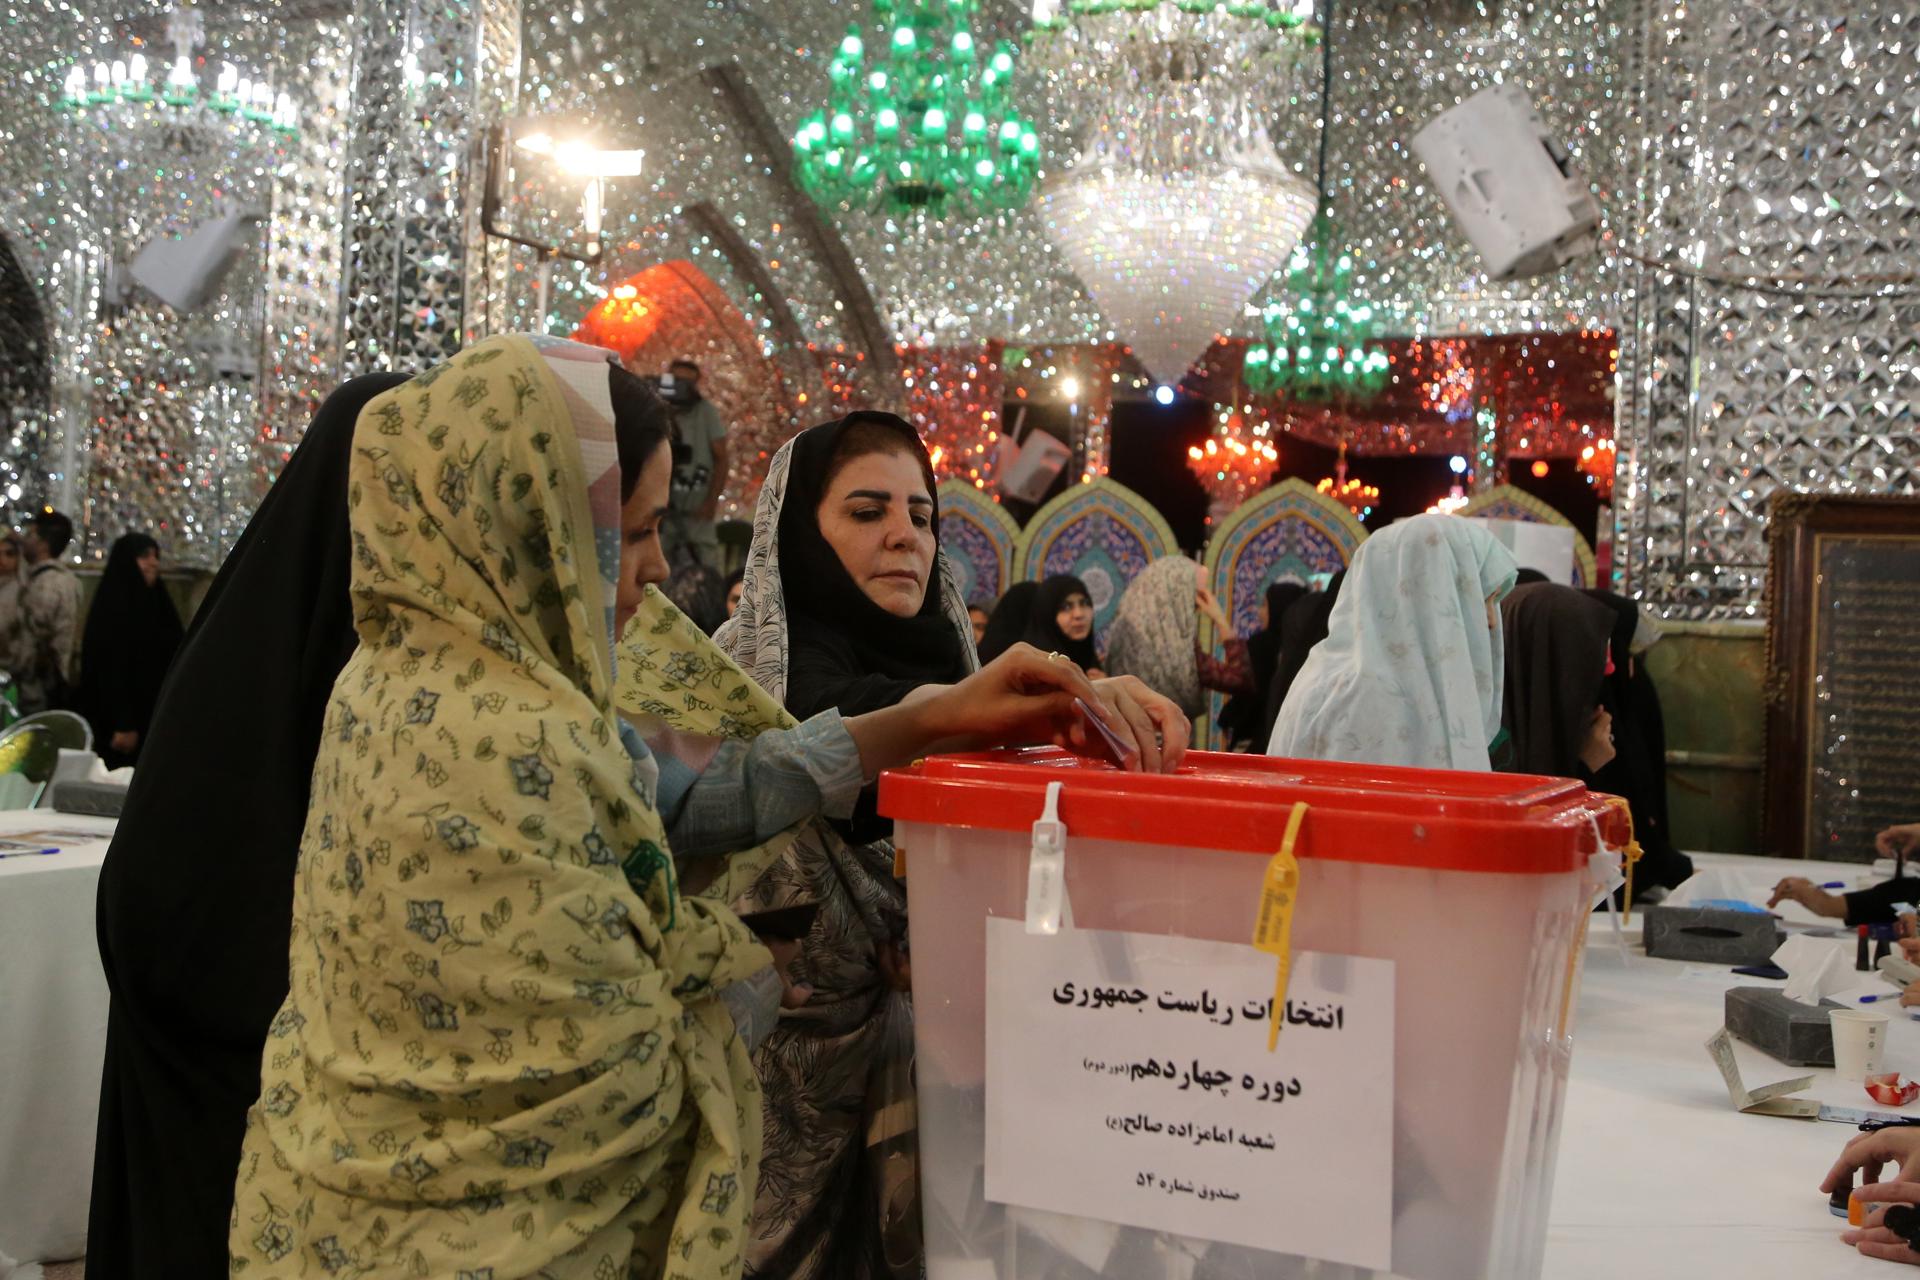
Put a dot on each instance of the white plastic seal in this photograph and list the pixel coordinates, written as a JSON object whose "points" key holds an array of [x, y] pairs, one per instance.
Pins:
{"points": [[1047, 868], [1605, 873]]}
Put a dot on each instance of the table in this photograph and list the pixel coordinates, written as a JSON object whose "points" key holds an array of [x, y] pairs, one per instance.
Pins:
{"points": [[53, 1032], [1658, 1175]]}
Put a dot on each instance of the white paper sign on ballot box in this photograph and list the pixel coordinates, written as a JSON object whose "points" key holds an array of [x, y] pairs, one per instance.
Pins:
{"points": [[1128, 1080]]}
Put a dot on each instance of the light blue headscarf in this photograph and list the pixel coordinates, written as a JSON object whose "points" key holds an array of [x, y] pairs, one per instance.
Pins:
{"points": [[1411, 672]]}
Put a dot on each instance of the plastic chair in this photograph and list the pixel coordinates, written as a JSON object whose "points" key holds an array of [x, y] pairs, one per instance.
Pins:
{"points": [[28, 754], [70, 730]]}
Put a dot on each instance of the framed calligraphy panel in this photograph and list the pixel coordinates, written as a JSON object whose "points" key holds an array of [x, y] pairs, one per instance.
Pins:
{"points": [[1843, 672]]}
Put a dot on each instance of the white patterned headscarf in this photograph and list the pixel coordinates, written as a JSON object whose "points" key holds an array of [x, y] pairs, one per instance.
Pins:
{"points": [[1410, 673], [756, 636]]}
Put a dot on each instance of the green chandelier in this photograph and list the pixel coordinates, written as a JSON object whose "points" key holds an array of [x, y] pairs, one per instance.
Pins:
{"points": [[930, 129], [1320, 346]]}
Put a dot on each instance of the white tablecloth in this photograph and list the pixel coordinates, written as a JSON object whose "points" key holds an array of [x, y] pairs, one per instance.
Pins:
{"points": [[1658, 1175], [53, 1032]]}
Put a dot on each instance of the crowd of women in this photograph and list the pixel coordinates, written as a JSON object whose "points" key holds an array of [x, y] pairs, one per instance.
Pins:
{"points": [[111, 670], [540, 934], [1434, 649]]}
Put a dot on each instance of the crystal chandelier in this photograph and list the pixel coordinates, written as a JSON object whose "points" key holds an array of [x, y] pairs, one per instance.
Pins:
{"points": [[120, 96], [1356, 495], [928, 130], [1177, 208]]}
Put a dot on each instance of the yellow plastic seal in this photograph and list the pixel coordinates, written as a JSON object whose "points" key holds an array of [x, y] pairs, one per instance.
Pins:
{"points": [[1629, 855], [1273, 928]]}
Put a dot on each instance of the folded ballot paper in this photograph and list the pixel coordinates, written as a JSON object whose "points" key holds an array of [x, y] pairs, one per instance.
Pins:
{"points": [[1772, 1099], [1767, 1100]]}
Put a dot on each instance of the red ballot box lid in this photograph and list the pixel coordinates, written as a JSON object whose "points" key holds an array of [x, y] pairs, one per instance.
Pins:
{"points": [[1435, 818]]}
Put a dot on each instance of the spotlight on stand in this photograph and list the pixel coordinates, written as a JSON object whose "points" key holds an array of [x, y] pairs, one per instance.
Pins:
{"points": [[1163, 394], [574, 157], [1457, 465]]}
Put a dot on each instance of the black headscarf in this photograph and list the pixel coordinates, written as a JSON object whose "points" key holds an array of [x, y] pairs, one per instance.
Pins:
{"points": [[1008, 621], [846, 651], [196, 895], [1556, 642], [1244, 718], [1304, 627], [1043, 625], [1638, 770], [1528, 577], [132, 632]]}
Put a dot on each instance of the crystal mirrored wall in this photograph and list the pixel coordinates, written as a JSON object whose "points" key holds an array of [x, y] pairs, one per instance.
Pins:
{"points": [[1780, 177], [1726, 140], [170, 421]]}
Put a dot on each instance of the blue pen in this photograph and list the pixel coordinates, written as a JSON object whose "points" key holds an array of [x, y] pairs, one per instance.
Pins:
{"points": [[27, 853], [1871, 999], [1834, 884]]}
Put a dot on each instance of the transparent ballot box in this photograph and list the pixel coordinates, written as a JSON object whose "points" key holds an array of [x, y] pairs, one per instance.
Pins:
{"points": [[1114, 1080]]}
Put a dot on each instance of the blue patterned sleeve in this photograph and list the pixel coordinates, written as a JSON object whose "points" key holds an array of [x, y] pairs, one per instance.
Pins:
{"points": [[752, 790]]}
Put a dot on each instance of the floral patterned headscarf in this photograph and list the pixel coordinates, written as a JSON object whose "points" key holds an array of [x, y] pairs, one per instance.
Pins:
{"points": [[502, 1051]]}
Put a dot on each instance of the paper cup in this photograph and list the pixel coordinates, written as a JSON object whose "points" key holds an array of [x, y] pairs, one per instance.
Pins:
{"points": [[1859, 1042]]}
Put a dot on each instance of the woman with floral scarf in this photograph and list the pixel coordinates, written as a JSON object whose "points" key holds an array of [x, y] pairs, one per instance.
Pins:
{"points": [[511, 1043]]}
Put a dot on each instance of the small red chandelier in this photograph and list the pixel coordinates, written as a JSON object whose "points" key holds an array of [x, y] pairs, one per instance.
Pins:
{"points": [[1596, 463], [1357, 496]]}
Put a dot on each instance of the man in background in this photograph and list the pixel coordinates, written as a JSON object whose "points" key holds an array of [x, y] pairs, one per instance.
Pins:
{"points": [[699, 471], [49, 614]]}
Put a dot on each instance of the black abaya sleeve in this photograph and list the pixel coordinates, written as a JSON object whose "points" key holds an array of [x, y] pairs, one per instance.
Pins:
{"points": [[196, 894], [1875, 905]]}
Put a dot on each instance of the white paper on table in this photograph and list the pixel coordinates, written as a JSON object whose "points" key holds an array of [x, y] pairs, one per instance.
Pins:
{"points": [[1128, 1080], [1816, 968]]}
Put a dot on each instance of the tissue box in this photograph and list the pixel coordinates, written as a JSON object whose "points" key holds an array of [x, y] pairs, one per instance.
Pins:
{"points": [[102, 799], [1797, 1034], [1711, 935]]}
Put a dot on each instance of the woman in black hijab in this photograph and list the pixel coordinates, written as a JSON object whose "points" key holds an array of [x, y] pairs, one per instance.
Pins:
{"points": [[1062, 621], [848, 604], [1556, 658], [847, 650], [1304, 626], [132, 632], [1638, 771], [196, 894], [1008, 621], [1244, 719]]}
